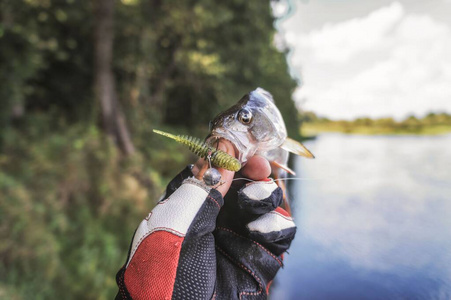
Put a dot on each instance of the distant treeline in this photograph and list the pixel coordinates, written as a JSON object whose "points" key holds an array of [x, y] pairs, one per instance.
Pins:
{"points": [[432, 123]]}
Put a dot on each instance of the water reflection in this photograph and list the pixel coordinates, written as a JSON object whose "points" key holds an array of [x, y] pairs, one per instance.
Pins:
{"points": [[374, 220]]}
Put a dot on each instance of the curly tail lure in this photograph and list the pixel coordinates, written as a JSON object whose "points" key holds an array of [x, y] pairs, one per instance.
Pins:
{"points": [[217, 157]]}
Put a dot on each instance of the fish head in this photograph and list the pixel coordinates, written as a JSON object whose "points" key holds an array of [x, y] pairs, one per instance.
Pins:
{"points": [[254, 124]]}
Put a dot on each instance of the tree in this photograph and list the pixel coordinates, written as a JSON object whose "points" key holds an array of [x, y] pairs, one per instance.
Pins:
{"points": [[112, 116]]}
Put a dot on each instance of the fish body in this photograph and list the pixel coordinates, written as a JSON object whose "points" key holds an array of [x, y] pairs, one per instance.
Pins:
{"points": [[255, 125]]}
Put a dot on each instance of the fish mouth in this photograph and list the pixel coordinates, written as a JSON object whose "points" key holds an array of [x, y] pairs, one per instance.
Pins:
{"points": [[239, 141]]}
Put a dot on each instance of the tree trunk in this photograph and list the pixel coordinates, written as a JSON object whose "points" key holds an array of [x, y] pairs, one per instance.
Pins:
{"points": [[113, 119]]}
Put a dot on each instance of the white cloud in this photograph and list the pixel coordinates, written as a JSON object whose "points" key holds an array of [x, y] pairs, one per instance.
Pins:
{"points": [[389, 63], [339, 42]]}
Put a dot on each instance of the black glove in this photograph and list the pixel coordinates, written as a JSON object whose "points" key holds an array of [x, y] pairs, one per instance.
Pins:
{"points": [[192, 246]]}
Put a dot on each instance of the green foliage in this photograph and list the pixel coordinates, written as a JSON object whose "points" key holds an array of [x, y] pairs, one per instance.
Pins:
{"points": [[44, 58], [70, 204], [192, 59], [69, 201], [180, 62]]}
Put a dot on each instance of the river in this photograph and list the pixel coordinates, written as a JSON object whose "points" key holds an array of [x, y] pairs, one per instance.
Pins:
{"points": [[374, 220]]}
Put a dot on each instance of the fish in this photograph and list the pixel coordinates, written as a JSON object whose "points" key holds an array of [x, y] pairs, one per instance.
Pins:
{"points": [[255, 126]]}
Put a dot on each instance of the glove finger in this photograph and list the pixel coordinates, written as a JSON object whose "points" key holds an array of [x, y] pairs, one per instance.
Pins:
{"points": [[259, 197], [177, 181], [274, 230]]}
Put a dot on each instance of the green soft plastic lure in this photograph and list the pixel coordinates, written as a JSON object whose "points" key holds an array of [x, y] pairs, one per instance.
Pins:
{"points": [[218, 157]]}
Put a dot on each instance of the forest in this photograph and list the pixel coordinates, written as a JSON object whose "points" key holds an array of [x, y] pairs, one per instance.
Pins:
{"points": [[82, 85]]}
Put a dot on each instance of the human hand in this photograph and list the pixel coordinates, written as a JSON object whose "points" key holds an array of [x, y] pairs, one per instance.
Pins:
{"points": [[257, 168], [200, 243]]}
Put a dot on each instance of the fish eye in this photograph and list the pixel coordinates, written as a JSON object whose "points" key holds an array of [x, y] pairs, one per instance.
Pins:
{"points": [[245, 116]]}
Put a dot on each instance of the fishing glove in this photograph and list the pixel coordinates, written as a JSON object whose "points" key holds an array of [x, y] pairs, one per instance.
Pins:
{"points": [[197, 245]]}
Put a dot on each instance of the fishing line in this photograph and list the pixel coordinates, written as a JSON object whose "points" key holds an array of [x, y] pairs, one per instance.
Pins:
{"points": [[294, 178], [279, 179]]}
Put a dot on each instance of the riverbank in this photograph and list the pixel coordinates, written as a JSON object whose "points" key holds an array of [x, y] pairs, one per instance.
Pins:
{"points": [[430, 124], [312, 129]]}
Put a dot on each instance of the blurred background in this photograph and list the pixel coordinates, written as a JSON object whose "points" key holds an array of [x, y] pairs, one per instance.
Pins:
{"points": [[366, 83]]}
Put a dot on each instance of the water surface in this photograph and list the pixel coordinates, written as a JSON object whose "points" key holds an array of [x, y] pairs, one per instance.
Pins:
{"points": [[374, 220]]}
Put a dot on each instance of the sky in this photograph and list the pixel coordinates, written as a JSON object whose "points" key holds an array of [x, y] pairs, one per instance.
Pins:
{"points": [[369, 58]]}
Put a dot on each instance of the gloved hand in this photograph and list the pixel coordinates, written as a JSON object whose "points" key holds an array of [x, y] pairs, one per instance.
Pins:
{"points": [[203, 243]]}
